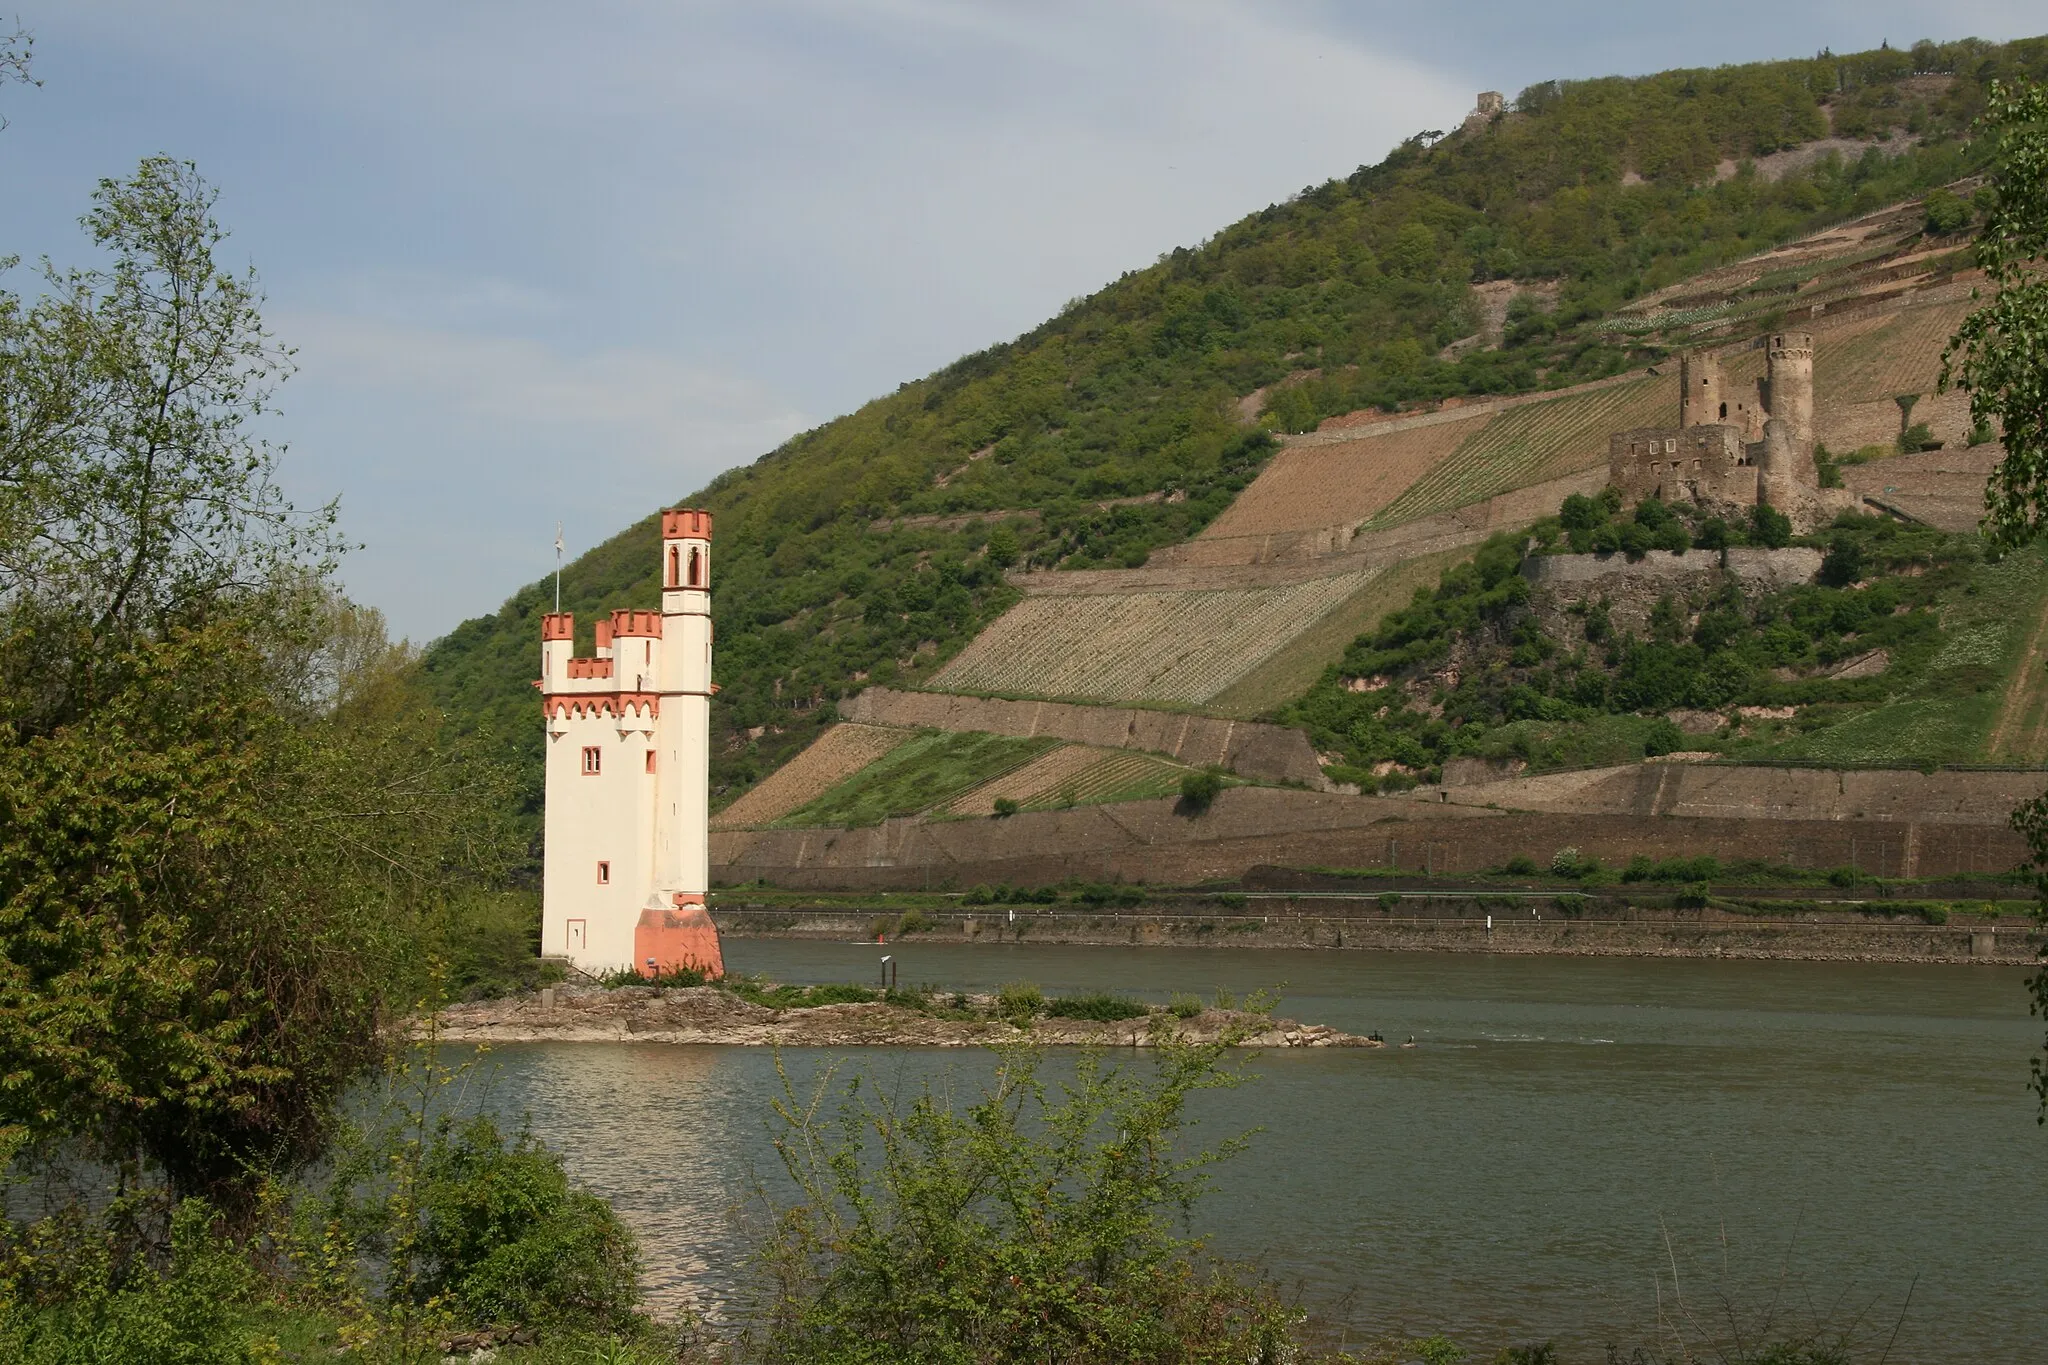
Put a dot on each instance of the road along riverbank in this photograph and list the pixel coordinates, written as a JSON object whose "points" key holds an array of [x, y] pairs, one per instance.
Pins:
{"points": [[716, 1015], [1430, 921]]}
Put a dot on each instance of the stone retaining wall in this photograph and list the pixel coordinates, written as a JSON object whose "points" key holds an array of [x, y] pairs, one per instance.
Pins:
{"points": [[1148, 841]]}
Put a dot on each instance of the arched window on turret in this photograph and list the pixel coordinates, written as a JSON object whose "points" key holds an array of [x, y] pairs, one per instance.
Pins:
{"points": [[674, 578], [696, 569]]}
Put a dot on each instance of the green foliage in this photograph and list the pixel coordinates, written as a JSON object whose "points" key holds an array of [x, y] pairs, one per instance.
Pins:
{"points": [[1100, 1006], [1769, 527], [1024, 1227], [504, 1237], [1004, 807], [488, 943], [1947, 212], [1006, 894], [1182, 1006], [1340, 298], [77, 1289], [1020, 999], [1642, 869], [1198, 790], [917, 775], [1521, 865], [1999, 355], [428, 1219], [1470, 670], [2030, 821], [226, 813]]}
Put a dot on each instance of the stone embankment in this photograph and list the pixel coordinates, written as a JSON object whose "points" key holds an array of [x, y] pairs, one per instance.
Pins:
{"points": [[1885, 824], [709, 1014], [1525, 926]]}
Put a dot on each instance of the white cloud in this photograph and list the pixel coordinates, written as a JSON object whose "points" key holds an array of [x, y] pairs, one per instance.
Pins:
{"points": [[639, 405]]}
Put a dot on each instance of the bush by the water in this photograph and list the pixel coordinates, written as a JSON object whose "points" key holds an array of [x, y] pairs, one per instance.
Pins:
{"points": [[1099, 1006]]}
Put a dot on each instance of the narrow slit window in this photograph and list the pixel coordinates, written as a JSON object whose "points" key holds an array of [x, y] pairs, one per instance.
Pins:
{"points": [[604, 874], [674, 579], [593, 760], [650, 760], [696, 569]]}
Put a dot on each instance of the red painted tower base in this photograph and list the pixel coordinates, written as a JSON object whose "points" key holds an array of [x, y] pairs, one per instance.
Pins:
{"points": [[673, 940]]}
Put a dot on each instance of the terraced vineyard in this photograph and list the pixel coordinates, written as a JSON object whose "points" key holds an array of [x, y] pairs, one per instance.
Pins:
{"points": [[1073, 775], [1141, 646], [1306, 487], [1530, 444], [1900, 354], [924, 772], [833, 757]]}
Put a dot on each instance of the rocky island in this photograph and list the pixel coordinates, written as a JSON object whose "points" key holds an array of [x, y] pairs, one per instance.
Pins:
{"points": [[824, 1017]]}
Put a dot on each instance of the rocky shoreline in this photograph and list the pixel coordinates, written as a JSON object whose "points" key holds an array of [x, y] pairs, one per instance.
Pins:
{"points": [[713, 1015]]}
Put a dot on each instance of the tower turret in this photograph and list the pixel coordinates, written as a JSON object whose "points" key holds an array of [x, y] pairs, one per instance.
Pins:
{"points": [[1700, 390], [1777, 475], [676, 928], [1789, 364]]}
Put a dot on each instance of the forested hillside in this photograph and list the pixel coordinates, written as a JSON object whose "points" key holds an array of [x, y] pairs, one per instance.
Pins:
{"points": [[851, 554]]}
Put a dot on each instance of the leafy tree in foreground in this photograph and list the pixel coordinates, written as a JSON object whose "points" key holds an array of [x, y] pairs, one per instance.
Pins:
{"points": [[1027, 1227], [1999, 355], [224, 808]]}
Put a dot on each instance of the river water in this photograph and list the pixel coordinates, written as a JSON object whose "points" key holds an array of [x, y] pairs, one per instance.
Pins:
{"points": [[1591, 1150]]}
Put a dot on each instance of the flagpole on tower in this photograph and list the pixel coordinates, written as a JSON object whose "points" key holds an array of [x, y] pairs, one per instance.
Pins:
{"points": [[558, 568]]}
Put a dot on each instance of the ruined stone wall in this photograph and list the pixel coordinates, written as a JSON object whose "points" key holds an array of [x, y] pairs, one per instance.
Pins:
{"points": [[1272, 752], [1702, 463], [1631, 587]]}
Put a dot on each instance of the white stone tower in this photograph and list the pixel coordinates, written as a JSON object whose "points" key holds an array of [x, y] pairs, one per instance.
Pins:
{"points": [[628, 858]]}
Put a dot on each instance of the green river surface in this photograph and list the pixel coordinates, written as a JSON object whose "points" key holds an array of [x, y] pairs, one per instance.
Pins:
{"points": [[1590, 1150]]}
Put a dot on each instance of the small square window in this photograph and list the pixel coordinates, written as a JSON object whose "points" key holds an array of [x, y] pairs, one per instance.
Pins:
{"points": [[604, 874], [593, 760], [650, 760]]}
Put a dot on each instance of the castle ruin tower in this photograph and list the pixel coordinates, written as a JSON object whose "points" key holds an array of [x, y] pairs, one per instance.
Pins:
{"points": [[1789, 366], [628, 776], [1778, 464], [1701, 401]]}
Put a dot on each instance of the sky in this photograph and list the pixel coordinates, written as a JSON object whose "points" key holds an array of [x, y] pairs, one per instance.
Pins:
{"points": [[562, 264]]}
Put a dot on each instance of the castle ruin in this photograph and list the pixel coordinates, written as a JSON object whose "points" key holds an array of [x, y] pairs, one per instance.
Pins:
{"points": [[1730, 448]]}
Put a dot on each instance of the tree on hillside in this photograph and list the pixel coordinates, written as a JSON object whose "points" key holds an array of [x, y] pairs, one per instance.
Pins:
{"points": [[224, 805], [1999, 355]]}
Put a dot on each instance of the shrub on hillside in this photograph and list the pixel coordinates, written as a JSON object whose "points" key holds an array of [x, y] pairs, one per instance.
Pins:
{"points": [[1198, 791]]}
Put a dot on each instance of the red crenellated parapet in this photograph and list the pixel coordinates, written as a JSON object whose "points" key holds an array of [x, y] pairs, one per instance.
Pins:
{"points": [[558, 625], [636, 623], [685, 523], [590, 668]]}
